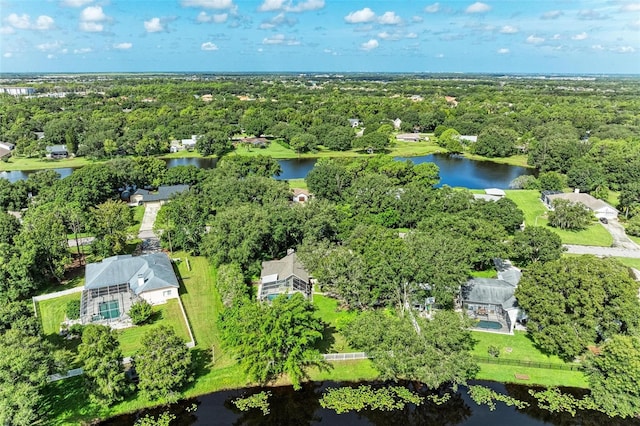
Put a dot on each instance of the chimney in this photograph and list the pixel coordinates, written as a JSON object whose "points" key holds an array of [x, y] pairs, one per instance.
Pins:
{"points": [[140, 280]]}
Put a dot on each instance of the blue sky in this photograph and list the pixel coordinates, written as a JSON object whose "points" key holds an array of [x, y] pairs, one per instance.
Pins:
{"points": [[512, 36]]}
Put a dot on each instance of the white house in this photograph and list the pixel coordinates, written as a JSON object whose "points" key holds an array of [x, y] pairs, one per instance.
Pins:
{"points": [[116, 283], [598, 207], [301, 195]]}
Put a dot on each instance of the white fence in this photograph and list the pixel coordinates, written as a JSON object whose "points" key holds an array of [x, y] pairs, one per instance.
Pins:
{"points": [[345, 356]]}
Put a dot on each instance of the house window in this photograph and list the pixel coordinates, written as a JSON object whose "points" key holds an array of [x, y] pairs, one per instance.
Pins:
{"points": [[166, 293]]}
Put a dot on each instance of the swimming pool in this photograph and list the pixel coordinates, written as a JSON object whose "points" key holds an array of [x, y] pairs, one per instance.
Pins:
{"points": [[490, 325], [110, 309]]}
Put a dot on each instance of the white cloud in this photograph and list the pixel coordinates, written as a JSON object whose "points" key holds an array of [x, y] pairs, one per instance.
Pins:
{"points": [[412, 35], [50, 56], [624, 49], [92, 18], [389, 18], [217, 18], [280, 39], [581, 36], [417, 19], [123, 46], [288, 6], [598, 47], [503, 51], [509, 29], [82, 51], [389, 36], [209, 4], [278, 20], [552, 14], [91, 27], [432, 8], [370, 45], [534, 39], [270, 5], [21, 22], [7, 55], [75, 3], [49, 46], [154, 25], [7, 30], [208, 46], [590, 14], [440, 55], [478, 7], [93, 14], [631, 7], [556, 37], [43, 23], [360, 16], [634, 24], [307, 5]]}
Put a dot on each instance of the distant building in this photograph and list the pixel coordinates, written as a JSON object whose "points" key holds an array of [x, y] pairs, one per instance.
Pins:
{"points": [[161, 195], [408, 137], [598, 207], [490, 194], [397, 123], [5, 149], [301, 195], [18, 91], [354, 122], [284, 276], [184, 144], [57, 151], [468, 138]]}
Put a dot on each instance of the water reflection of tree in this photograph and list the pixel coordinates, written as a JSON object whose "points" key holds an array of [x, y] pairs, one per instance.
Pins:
{"points": [[287, 407], [582, 418], [452, 412]]}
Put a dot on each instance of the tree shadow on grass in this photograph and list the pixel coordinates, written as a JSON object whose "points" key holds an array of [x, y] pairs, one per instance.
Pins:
{"points": [[328, 340], [201, 363]]}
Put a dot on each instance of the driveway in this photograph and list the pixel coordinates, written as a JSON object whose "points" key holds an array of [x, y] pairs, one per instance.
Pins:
{"points": [[150, 241], [620, 238]]}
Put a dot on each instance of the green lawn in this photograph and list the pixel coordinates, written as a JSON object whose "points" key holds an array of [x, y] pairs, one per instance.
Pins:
{"points": [[535, 213], [522, 348], [138, 214], [168, 314], [298, 183], [628, 261], [20, 163], [52, 312], [335, 317], [514, 160]]}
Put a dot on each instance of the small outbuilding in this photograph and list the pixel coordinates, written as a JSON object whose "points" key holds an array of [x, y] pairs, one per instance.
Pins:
{"points": [[301, 195]]}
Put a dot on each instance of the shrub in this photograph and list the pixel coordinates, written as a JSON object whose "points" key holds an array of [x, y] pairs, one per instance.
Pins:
{"points": [[76, 330], [73, 309], [493, 351], [140, 312]]}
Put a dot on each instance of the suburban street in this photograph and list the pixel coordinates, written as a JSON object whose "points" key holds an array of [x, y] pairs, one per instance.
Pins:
{"points": [[603, 251]]}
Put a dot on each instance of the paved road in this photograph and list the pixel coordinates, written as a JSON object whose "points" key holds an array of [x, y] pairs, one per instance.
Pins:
{"points": [[603, 251]]}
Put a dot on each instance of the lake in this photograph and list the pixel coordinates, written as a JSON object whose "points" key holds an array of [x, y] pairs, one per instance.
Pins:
{"points": [[289, 407], [454, 170]]}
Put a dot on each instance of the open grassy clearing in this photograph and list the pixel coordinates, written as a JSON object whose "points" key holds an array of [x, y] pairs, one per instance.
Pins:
{"points": [[52, 312], [514, 160], [297, 183], [21, 163], [520, 347], [535, 213]]}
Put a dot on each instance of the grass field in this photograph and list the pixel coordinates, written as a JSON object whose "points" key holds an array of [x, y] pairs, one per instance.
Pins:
{"points": [[627, 261], [52, 312], [297, 183], [520, 347], [330, 313], [535, 213], [514, 160]]}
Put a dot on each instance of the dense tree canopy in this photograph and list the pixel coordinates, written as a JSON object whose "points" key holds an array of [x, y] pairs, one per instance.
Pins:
{"points": [[578, 301]]}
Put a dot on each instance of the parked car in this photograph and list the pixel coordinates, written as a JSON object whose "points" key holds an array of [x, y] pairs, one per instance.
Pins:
{"points": [[604, 220]]}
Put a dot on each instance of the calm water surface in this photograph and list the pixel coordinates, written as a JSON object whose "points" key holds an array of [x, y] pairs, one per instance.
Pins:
{"points": [[454, 170], [289, 407]]}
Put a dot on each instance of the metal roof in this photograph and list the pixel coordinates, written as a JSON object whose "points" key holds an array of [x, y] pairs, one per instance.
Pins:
{"points": [[143, 273]]}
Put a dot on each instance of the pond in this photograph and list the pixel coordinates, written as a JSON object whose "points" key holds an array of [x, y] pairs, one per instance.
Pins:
{"points": [[454, 170], [289, 407]]}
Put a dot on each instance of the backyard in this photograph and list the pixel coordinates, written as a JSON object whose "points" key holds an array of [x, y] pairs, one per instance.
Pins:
{"points": [[518, 347]]}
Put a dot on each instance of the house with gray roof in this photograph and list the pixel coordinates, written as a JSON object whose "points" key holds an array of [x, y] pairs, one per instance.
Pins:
{"points": [[57, 151], [283, 276], [598, 207], [116, 283], [492, 301], [161, 195]]}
